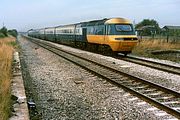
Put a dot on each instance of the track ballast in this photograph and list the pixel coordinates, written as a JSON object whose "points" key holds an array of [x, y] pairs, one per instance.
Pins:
{"points": [[157, 95]]}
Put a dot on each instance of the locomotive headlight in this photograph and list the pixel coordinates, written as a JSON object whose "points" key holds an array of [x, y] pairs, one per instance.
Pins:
{"points": [[119, 38]]}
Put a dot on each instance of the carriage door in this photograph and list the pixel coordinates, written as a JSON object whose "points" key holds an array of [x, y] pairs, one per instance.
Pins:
{"points": [[84, 32]]}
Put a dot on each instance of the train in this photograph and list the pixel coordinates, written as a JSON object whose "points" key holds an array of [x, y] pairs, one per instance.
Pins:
{"points": [[115, 35]]}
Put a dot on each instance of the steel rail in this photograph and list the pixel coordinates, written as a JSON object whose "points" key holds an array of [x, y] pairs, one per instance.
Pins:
{"points": [[156, 65]]}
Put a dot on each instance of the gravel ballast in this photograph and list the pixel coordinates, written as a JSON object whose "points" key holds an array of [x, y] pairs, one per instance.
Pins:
{"points": [[165, 79], [62, 90]]}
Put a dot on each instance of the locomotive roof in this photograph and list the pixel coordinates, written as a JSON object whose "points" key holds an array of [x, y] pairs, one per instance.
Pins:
{"points": [[94, 22], [106, 21], [118, 21]]}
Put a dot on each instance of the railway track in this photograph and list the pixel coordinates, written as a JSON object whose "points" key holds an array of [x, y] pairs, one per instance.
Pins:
{"points": [[149, 63], [157, 95]]}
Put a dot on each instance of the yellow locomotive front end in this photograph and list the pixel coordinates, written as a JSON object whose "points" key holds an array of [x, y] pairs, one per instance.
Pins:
{"points": [[121, 43], [120, 35]]}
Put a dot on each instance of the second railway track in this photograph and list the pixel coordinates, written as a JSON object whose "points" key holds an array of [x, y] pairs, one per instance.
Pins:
{"points": [[157, 95], [149, 63]]}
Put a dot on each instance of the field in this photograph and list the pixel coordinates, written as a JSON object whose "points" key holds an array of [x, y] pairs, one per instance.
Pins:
{"points": [[147, 46], [6, 56]]}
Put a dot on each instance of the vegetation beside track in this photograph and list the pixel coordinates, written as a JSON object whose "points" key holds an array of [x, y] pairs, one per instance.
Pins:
{"points": [[7, 46], [4, 32], [146, 47]]}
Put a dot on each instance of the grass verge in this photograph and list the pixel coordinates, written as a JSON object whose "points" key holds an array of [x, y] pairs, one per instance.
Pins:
{"points": [[6, 56], [146, 47]]}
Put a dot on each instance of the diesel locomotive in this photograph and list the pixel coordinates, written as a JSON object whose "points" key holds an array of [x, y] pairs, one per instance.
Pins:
{"points": [[115, 34]]}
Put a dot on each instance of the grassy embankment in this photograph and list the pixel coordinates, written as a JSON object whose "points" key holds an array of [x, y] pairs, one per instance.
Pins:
{"points": [[146, 47], [6, 56]]}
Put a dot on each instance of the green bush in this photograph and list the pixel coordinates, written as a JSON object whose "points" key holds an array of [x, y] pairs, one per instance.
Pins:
{"points": [[13, 32], [2, 35], [4, 31], [148, 27]]}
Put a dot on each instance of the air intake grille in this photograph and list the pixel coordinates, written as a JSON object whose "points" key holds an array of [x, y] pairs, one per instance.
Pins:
{"points": [[125, 38]]}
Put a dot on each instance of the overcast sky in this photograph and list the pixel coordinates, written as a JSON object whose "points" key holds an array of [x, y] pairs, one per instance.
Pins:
{"points": [[26, 14]]}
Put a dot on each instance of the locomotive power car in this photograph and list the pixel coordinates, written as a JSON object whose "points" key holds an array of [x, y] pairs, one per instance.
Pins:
{"points": [[116, 34]]}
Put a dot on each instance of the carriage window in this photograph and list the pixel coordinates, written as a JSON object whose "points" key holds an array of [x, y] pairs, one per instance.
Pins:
{"points": [[90, 30]]}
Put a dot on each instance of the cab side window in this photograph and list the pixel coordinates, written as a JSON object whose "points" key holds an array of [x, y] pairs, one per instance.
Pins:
{"points": [[99, 30], [111, 30]]}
